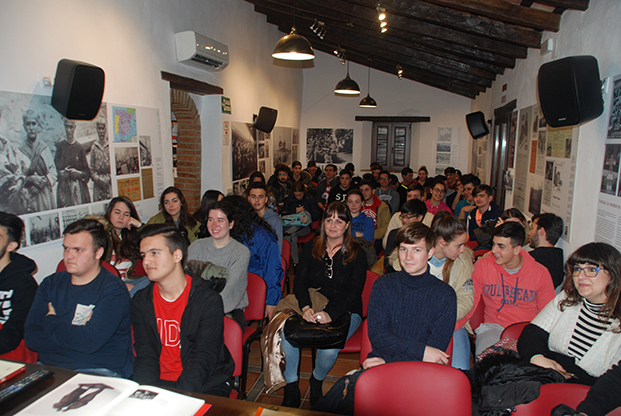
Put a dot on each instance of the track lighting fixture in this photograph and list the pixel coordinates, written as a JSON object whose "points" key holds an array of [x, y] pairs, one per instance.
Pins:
{"points": [[399, 71]]}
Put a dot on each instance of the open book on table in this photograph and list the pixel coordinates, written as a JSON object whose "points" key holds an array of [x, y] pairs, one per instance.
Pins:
{"points": [[86, 394]]}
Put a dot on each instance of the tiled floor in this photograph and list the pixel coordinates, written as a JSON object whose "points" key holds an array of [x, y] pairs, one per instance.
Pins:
{"points": [[256, 389]]}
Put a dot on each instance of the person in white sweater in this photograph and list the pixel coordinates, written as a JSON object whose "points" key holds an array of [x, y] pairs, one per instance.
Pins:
{"points": [[578, 333]]}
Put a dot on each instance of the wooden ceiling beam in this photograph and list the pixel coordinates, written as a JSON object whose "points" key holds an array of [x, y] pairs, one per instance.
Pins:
{"points": [[581, 5], [504, 11], [362, 16]]}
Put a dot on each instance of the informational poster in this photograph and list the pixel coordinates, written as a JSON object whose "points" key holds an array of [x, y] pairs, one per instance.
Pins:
{"points": [[545, 167], [130, 188], [147, 183], [447, 149], [522, 162], [608, 223], [79, 161]]}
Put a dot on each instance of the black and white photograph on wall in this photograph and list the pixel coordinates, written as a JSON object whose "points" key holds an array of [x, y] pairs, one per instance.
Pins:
{"points": [[262, 167], [72, 215], [329, 145], [262, 147], [281, 137], [244, 150], [534, 204], [512, 134], [610, 172], [126, 160], [614, 122], [145, 151], [294, 152], [508, 181], [240, 186], [43, 228], [295, 137], [44, 159], [443, 147], [549, 170]]}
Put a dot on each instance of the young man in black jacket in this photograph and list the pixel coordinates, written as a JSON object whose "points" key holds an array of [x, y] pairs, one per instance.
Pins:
{"points": [[178, 321], [17, 288]]}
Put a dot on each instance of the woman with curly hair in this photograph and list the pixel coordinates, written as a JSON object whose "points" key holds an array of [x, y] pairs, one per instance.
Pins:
{"points": [[336, 265], [175, 211], [255, 233], [578, 333]]}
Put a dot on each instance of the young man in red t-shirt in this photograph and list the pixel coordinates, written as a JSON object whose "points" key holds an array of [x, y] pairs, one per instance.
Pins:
{"points": [[177, 321]]}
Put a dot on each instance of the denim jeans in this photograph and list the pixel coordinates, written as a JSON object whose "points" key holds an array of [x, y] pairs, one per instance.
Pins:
{"points": [[461, 350], [323, 362]]}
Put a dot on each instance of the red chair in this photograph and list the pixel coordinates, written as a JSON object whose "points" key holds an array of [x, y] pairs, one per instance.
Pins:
{"points": [[479, 314], [61, 267], [472, 244], [284, 282], [354, 343], [233, 341], [255, 311], [477, 254], [514, 331], [550, 396], [413, 388], [286, 252], [306, 238]]}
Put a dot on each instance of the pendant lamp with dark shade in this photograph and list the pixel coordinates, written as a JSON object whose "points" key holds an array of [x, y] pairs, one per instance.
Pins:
{"points": [[293, 47], [368, 101], [347, 86]]}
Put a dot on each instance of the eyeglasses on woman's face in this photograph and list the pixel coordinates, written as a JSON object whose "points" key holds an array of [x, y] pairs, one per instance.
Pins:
{"points": [[589, 271]]}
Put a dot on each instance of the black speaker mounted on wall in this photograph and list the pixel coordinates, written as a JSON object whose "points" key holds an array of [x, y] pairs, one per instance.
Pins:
{"points": [[78, 89], [570, 91], [266, 119], [477, 124]]}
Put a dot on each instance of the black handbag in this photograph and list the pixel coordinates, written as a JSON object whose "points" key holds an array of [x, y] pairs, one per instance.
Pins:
{"points": [[303, 334]]}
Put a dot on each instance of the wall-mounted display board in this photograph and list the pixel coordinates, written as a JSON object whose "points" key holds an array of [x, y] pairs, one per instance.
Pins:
{"points": [[54, 171]]}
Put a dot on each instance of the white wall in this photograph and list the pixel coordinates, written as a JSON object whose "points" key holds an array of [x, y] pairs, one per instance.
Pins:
{"points": [[321, 108], [594, 32], [133, 40]]}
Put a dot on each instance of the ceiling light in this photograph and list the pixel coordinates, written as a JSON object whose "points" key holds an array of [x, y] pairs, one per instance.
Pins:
{"points": [[347, 85], [399, 71], [368, 102], [381, 16], [384, 29], [293, 47], [383, 24]]}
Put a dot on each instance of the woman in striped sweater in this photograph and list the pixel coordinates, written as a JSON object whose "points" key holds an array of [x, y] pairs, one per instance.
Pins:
{"points": [[578, 333]]}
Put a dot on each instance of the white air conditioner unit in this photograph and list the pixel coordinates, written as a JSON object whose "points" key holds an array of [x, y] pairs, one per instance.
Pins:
{"points": [[200, 51]]}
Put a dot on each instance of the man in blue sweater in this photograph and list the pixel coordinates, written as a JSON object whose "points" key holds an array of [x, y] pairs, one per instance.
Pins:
{"points": [[80, 317], [411, 313]]}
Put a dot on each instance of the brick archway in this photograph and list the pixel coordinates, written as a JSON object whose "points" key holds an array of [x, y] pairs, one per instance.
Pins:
{"points": [[188, 148]]}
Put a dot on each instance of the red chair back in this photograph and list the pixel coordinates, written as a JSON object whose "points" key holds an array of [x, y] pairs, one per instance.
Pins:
{"points": [[233, 341], [479, 253], [257, 291], [415, 388], [366, 292], [479, 314], [284, 274], [472, 244], [550, 396], [61, 267], [286, 253], [365, 344], [514, 331]]}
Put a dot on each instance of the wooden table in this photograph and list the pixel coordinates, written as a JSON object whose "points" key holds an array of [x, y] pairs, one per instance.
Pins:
{"points": [[221, 406]]}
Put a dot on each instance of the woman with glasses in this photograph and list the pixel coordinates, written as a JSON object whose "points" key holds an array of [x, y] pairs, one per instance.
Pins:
{"points": [[578, 333], [436, 204], [336, 265]]}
